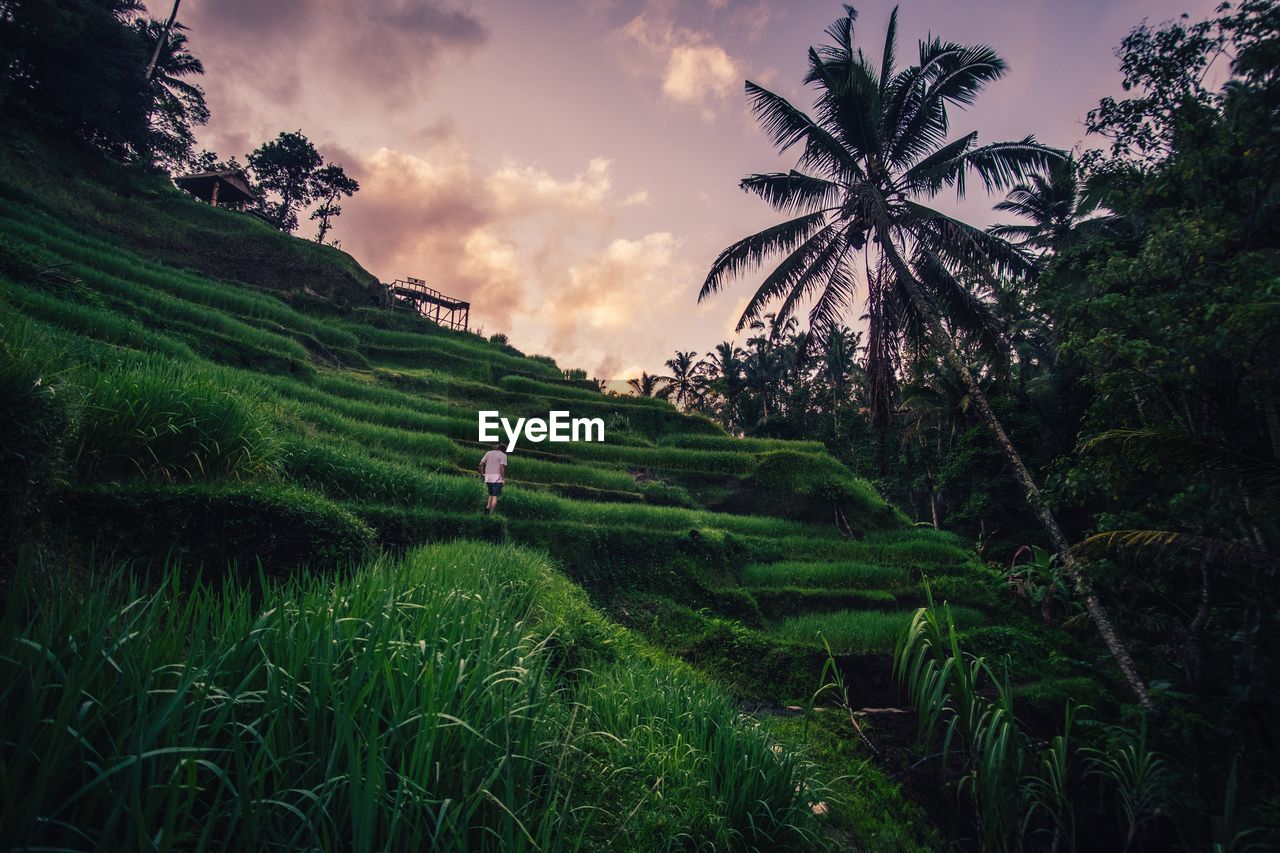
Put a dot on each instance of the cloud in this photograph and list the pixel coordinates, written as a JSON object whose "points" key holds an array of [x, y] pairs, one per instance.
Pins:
{"points": [[331, 63], [696, 71], [616, 300], [522, 189], [535, 252]]}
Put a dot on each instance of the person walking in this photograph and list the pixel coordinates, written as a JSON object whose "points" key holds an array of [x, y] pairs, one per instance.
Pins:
{"points": [[493, 468]]}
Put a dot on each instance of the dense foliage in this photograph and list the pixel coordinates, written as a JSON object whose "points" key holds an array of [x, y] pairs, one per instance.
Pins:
{"points": [[1139, 383]]}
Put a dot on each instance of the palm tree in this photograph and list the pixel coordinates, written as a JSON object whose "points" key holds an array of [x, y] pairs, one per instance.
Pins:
{"points": [[178, 103], [723, 370], [648, 385], [877, 152], [1058, 205], [937, 405], [686, 379], [839, 365], [763, 369]]}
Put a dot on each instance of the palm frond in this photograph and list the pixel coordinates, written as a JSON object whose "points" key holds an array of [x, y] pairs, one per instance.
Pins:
{"points": [[786, 125], [831, 307], [963, 246], [792, 192], [807, 258], [963, 71], [1219, 552], [794, 281], [967, 314], [749, 252], [888, 56], [1160, 447], [1000, 165], [930, 174], [849, 105]]}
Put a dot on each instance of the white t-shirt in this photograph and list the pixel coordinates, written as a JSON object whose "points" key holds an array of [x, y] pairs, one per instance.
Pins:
{"points": [[493, 462]]}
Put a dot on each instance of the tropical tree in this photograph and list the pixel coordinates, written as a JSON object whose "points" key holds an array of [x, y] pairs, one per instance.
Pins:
{"points": [[764, 367], [686, 381], [648, 385], [329, 184], [868, 164], [178, 104], [723, 369], [76, 67], [1057, 205], [286, 166], [838, 347]]}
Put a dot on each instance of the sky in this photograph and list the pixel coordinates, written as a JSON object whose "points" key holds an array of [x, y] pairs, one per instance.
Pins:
{"points": [[571, 167]]}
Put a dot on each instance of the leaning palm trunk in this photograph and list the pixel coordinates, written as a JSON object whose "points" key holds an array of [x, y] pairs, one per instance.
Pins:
{"points": [[1070, 566]]}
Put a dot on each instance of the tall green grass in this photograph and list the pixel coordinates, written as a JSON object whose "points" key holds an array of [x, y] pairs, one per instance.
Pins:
{"points": [[910, 549], [410, 706], [861, 631], [837, 575], [109, 258], [440, 346], [93, 322], [165, 306], [567, 391], [698, 441], [169, 422]]}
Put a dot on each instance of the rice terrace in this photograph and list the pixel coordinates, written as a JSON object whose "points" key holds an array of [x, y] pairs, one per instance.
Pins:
{"points": [[902, 472]]}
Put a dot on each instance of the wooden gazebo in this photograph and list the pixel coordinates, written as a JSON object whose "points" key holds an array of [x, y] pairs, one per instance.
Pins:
{"points": [[229, 186], [416, 295]]}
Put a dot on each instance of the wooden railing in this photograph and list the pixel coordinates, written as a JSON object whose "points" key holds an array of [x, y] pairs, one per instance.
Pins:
{"points": [[415, 294]]}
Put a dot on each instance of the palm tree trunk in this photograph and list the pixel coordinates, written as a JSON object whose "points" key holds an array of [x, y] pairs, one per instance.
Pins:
{"points": [[1070, 567], [164, 38]]}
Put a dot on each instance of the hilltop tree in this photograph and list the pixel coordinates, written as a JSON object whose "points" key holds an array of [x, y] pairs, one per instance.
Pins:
{"points": [[285, 167], [724, 382], [329, 184], [877, 152]]}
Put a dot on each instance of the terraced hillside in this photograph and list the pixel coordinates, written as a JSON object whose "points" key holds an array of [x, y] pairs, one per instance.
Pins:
{"points": [[188, 390]]}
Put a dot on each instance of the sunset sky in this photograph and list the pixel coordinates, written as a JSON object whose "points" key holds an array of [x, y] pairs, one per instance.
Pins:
{"points": [[571, 166]]}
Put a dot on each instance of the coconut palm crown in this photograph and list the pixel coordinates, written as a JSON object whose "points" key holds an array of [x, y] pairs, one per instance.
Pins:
{"points": [[873, 155]]}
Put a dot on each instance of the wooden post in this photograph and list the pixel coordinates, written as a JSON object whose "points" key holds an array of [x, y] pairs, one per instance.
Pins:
{"points": [[213, 197]]}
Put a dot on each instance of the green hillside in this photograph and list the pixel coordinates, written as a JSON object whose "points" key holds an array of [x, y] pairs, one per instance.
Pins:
{"points": [[194, 396]]}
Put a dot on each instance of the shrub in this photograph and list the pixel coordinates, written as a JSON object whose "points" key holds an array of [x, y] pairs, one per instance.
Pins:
{"points": [[216, 526], [812, 487], [666, 494]]}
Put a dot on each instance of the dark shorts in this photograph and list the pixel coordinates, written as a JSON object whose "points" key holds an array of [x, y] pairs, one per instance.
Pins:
{"points": [[495, 489]]}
